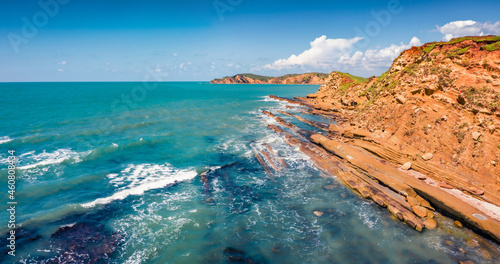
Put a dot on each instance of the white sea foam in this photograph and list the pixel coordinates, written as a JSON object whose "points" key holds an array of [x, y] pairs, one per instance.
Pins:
{"points": [[26, 154], [5, 139], [267, 99], [281, 104], [45, 158], [232, 145], [368, 219], [3, 160], [68, 225], [137, 179]]}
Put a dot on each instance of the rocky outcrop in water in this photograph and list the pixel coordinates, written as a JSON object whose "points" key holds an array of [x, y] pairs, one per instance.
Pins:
{"points": [[83, 243]]}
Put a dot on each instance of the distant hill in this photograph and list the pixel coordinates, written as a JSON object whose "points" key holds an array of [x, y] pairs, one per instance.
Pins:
{"points": [[248, 78]]}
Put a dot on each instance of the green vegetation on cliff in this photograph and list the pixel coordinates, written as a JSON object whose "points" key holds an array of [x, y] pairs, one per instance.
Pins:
{"points": [[492, 47], [256, 77], [356, 79], [475, 39]]}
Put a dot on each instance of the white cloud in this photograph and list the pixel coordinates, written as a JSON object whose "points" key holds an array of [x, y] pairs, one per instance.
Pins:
{"points": [[338, 54], [377, 58], [175, 54], [468, 28], [323, 53]]}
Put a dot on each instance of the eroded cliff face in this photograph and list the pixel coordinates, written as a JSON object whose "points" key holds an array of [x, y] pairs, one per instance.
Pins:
{"points": [[442, 98], [307, 78]]}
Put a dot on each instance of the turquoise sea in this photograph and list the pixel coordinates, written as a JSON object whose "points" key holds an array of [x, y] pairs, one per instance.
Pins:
{"points": [[105, 166]]}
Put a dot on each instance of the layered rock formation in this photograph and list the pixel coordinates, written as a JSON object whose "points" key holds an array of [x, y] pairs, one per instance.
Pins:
{"points": [[423, 135], [306, 78], [440, 98]]}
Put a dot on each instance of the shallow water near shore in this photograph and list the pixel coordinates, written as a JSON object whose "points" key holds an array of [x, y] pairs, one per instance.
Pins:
{"points": [[125, 163]]}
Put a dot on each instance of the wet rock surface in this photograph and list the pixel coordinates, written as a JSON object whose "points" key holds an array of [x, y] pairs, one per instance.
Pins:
{"points": [[238, 256], [83, 243], [241, 197]]}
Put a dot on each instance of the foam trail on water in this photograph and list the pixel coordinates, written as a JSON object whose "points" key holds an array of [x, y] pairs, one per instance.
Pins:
{"points": [[137, 179], [5, 139], [44, 158]]}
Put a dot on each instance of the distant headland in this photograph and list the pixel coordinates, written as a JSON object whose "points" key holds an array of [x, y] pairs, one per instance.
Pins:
{"points": [[248, 78]]}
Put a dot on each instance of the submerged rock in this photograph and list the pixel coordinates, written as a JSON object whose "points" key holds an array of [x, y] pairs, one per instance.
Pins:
{"points": [[328, 187], [277, 249], [472, 243], [318, 213], [238, 256], [231, 250], [83, 243]]}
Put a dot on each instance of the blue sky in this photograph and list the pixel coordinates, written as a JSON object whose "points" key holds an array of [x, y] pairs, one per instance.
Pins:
{"points": [[185, 40]]}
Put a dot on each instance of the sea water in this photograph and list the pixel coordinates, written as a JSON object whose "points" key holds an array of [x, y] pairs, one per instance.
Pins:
{"points": [[123, 160]]}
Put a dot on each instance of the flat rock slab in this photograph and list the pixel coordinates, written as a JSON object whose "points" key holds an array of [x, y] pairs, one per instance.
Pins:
{"points": [[406, 166], [427, 156]]}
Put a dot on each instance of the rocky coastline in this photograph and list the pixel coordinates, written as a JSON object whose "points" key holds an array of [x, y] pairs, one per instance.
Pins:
{"points": [[421, 140]]}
